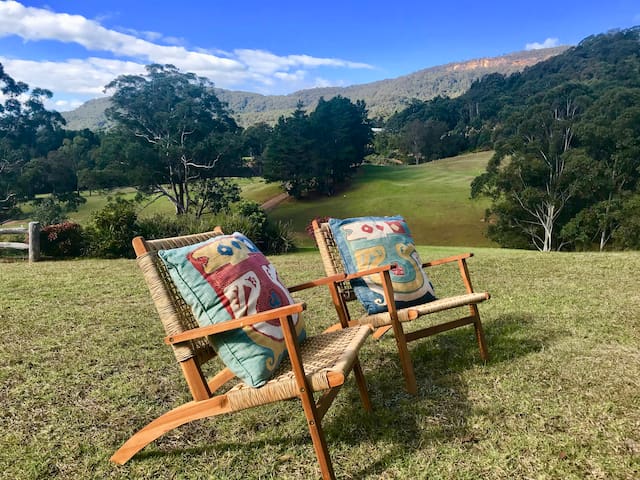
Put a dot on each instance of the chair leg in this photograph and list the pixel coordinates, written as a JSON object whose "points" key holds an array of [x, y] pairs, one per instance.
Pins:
{"points": [[477, 324], [362, 386], [317, 435], [178, 416], [405, 361]]}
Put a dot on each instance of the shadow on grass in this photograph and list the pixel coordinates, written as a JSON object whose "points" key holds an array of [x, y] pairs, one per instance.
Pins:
{"points": [[439, 414], [401, 424]]}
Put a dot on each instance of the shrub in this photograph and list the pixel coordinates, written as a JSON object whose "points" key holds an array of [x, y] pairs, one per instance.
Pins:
{"points": [[49, 212], [64, 239], [112, 229], [252, 221]]}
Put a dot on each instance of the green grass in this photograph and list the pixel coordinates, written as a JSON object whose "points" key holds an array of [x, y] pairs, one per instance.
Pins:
{"points": [[254, 189], [433, 197], [83, 366]]}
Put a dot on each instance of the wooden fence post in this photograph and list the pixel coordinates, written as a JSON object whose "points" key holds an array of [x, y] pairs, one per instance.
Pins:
{"points": [[34, 241]]}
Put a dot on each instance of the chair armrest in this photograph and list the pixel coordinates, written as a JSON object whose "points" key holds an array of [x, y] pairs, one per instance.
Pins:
{"points": [[370, 271], [339, 277], [276, 313], [454, 258]]}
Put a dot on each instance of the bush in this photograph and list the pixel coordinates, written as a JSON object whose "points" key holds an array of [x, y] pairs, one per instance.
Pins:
{"points": [[112, 229], [49, 212], [252, 221], [61, 240], [163, 226]]}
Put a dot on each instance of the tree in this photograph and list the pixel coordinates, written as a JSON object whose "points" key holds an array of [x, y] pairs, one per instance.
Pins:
{"points": [[315, 153], [288, 157], [255, 140], [610, 134], [534, 174], [341, 134], [190, 132], [27, 130]]}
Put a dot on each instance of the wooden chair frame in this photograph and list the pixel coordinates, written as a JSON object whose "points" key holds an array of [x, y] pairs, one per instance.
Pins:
{"points": [[393, 319], [299, 380]]}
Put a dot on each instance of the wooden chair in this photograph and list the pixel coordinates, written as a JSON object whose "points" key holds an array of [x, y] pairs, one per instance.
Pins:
{"points": [[342, 293], [319, 364]]}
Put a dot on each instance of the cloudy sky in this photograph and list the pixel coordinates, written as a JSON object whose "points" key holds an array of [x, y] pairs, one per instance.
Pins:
{"points": [[75, 47]]}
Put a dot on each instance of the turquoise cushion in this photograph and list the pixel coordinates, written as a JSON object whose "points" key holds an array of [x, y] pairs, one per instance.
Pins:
{"points": [[368, 242], [227, 277]]}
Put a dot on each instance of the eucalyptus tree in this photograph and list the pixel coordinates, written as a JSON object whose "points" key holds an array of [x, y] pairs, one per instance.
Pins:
{"points": [[192, 137], [27, 130], [610, 135], [536, 174]]}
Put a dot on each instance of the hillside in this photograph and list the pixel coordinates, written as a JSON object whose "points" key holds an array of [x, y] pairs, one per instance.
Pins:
{"points": [[383, 97], [433, 197]]}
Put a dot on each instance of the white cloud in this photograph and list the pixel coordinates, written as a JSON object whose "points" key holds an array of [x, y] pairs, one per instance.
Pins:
{"points": [[258, 70], [548, 43]]}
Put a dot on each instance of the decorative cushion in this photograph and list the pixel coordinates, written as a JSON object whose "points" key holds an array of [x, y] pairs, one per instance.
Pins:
{"points": [[227, 277], [369, 242]]}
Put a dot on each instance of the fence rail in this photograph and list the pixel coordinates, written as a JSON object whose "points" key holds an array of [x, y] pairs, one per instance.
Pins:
{"points": [[32, 244]]}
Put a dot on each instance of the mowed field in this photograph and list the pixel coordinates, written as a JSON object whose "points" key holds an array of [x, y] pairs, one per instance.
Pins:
{"points": [[83, 366], [433, 198]]}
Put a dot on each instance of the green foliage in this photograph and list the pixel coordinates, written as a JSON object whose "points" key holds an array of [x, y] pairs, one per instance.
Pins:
{"points": [[177, 134], [162, 225], [214, 195], [27, 130], [270, 236], [567, 146], [112, 229], [319, 152], [48, 211], [62, 240], [627, 235]]}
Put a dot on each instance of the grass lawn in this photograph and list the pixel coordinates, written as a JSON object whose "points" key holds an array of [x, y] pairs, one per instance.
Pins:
{"points": [[83, 366], [433, 198]]}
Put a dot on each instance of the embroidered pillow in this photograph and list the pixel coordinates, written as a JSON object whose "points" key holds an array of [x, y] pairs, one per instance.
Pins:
{"points": [[368, 242], [227, 277]]}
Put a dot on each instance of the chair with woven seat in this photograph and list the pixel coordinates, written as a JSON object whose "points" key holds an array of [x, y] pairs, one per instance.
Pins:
{"points": [[393, 318], [319, 363]]}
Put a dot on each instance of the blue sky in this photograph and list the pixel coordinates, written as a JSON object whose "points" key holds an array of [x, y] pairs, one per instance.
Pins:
{"points": [[75, 47]]}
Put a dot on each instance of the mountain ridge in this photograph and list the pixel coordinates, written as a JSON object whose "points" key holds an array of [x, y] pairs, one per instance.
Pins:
{"points": [[382, 97]]}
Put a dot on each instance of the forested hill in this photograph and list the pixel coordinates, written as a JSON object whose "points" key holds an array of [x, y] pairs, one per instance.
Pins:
{"points": [[383, 98]]}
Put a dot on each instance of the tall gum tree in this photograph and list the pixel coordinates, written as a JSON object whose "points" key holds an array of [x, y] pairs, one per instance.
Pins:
{"points": [[193, 136], [535, 173]]}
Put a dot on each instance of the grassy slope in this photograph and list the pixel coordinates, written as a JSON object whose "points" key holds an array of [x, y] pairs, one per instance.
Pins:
{"points": [[82, 366], [433, 197]]}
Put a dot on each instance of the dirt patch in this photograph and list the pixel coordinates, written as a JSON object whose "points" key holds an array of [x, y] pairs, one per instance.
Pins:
{"points": [[274, 201]]}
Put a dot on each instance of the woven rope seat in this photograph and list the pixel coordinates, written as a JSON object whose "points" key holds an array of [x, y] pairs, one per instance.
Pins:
{"points": [[326, 358], [409, 314]]}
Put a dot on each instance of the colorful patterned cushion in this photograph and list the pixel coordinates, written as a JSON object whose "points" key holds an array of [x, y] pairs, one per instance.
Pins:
{"points": [[368, 242], [225, 278]]}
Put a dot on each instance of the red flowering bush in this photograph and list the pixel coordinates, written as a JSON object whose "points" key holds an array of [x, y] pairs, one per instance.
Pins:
{"points": [[64, 239]]}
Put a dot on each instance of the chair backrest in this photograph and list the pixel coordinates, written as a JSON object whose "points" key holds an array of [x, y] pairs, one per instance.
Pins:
{"points": [[331, 260], [176, 316]]}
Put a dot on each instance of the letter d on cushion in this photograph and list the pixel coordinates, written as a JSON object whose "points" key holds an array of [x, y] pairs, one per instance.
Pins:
{"points": [[368, 242], [227, 277]]}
